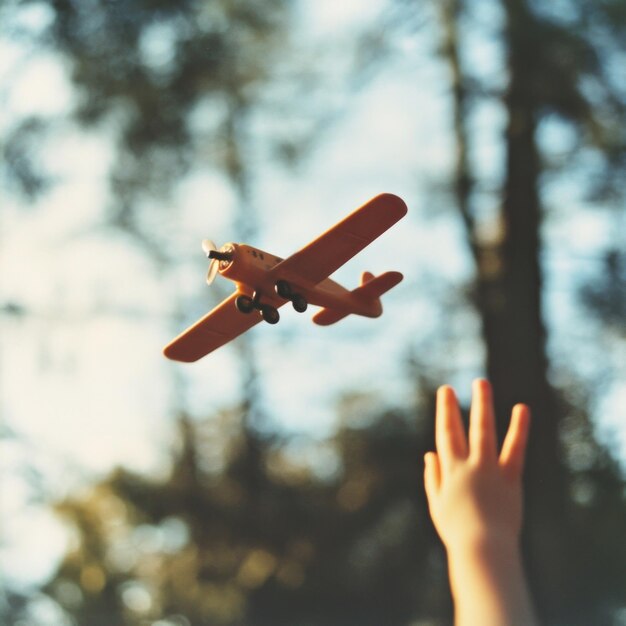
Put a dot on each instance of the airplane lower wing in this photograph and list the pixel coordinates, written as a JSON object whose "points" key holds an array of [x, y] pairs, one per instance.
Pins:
{"points": [[215, 329], [330, 251]]}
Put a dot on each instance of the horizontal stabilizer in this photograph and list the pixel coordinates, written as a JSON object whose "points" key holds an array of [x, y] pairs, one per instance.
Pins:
{"points": [[377, 286], [326, 317], [370, 290]]}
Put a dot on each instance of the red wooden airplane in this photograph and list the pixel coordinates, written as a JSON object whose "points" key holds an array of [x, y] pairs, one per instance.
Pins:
{"points": [[265, 282]]}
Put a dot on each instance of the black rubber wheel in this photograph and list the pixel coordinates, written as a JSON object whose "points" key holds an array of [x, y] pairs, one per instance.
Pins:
{"points": [[283, 289], [244, 304], [299, 302], [270, 314]]}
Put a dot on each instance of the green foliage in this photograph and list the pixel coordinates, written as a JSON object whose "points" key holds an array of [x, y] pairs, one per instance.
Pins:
{"points": [[248, 528], [171, 83], [245, 530], [22, 173], [605, 296], [573, 52]]}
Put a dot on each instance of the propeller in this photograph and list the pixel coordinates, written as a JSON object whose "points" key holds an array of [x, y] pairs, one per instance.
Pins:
{"points": [[210, 249], [208, 246]]}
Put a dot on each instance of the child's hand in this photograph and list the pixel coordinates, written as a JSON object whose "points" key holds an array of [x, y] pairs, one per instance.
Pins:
{"points": [[474, 494], [475, 500]]}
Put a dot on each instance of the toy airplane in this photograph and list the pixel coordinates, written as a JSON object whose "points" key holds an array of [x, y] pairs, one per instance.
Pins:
{"points": [[265, 282]]}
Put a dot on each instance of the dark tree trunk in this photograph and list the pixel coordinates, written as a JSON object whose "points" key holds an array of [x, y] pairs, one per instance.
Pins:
{"points": [[514, 328], [509, 302]]}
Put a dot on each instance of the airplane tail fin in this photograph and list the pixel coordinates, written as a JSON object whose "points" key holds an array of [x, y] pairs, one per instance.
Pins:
{"points": [[369, 291]]}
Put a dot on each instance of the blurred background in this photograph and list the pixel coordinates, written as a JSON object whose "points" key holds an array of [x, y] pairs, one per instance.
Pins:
{"points": [[279, 480]]}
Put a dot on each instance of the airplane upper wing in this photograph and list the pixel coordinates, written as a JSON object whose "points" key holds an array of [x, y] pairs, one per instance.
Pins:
{"points": [[215, 329], [330, 251]]}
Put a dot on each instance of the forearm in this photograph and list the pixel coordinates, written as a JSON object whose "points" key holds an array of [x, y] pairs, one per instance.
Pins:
{"points": [[488, 586]]}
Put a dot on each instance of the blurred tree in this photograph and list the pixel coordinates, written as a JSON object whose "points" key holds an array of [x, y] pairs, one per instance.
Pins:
{"points": [[332, 533], [605, 296], [172, 83], [242, 533], [175, 86]]}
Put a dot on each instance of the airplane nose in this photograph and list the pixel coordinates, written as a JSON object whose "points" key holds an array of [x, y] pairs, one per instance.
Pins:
{"points": [[220, 256]]}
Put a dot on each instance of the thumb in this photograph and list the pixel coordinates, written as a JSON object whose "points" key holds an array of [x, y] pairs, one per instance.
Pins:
{"points": [[432, 474]]}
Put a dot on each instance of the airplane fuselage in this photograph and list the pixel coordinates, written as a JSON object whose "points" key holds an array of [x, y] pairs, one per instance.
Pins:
{"points": [[256, 272]]}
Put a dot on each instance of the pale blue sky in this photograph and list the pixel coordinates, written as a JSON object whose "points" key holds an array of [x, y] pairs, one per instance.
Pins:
{"points": [[88, 387]]}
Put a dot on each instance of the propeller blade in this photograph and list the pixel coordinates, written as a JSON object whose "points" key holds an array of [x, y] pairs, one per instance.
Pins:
{"points": [[208, 246], [212, 271]]}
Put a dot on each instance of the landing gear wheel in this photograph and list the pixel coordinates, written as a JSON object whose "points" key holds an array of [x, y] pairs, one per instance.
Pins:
{"points": [[270, 314], [299, 303], [283, 289], [245, 304]]}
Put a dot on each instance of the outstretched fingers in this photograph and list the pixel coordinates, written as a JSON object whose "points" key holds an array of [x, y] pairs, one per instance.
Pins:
{"points": [[449, 433], [514, 447], [452, 444]]}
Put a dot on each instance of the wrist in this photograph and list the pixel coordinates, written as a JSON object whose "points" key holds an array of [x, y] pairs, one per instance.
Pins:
{"points": [[487, 579], [487, 544], [494, 559]]}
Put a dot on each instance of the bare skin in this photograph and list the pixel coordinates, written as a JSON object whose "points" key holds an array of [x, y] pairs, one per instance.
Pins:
{"points": [[475, 500]]}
